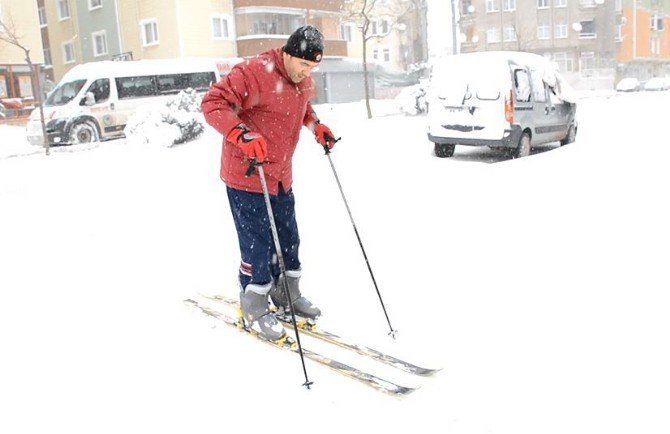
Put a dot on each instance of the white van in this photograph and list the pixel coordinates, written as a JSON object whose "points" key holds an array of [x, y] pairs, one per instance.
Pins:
{"points": [[93, 101], [501, 99]]}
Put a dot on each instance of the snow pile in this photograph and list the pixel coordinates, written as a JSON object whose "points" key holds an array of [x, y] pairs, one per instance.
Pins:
{"points": [[412, 100], [177, 121]]}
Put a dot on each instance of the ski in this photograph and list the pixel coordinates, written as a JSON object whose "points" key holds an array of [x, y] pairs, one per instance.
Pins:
{"points": [[311, 329], [290, 344]]}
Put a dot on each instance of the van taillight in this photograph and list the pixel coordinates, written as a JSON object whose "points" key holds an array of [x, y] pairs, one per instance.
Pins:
{"points": [[509, 108]]}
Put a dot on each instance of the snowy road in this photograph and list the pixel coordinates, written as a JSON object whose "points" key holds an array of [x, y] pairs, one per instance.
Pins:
{"points": [[540, 284]]}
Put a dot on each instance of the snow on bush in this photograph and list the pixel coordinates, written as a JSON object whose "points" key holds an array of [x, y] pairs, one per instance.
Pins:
{"points": [[412, 100], [179, 120]]}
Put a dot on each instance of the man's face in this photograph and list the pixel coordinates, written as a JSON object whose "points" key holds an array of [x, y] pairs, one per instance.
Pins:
{"points": [[298, 69]]}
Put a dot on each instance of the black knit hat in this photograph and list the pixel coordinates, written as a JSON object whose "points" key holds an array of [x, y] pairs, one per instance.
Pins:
{"points": [[305, 43]]}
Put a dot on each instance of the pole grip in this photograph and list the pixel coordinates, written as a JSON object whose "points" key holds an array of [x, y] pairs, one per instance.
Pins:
{"points": [[251, 168], [330, 138]]}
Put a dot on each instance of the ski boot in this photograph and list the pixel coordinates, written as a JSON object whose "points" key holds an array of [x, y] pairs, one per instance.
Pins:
{"points": [[256, 312], [301, 306]]}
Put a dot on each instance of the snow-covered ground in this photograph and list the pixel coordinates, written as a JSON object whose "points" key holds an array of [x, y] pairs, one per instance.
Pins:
{"points": [[539, 285]]}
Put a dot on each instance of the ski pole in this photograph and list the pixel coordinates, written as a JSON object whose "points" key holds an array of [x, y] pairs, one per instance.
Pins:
{"points": [[392, 332], [280, 259]]}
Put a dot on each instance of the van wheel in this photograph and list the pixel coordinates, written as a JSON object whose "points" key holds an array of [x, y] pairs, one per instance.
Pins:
{"points": [[523, 148], [84, 132], [443, 150], [570, 137]]}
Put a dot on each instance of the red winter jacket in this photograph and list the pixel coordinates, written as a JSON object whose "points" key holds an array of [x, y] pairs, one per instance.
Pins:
{"points": [[259, 93]]}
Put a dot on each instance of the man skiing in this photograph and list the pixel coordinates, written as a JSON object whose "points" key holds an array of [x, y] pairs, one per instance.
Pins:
{"points": [[260, 108]]}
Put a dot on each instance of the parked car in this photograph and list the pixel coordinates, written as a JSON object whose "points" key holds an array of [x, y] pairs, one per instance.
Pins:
{"points": [[510, 100], [657, 83], [629, 84]]}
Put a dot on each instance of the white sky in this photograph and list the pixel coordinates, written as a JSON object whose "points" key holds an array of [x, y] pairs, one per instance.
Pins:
{"points": [[439, 27]]}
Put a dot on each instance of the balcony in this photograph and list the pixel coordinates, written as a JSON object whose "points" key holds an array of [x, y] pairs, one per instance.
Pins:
{"points": [[250, 46], [320, 5]]}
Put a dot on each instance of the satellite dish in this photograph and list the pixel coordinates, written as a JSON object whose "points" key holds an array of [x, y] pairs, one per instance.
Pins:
{"points": [[577, 27]]}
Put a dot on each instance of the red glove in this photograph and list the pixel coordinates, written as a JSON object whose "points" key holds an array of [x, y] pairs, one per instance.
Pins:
{"points": [[252, 144], [324, 136]]}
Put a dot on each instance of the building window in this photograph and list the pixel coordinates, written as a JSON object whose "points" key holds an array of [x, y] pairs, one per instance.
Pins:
{"points": [[564, 61], [588, 30], [492, 6], [655, 46], [587, 61], [493, 35], [63, 9], [346, 32], [561, 31], [42, 14], [149, 32], [560, 3], [509, 33], [375, 54], [543, 31], [99, 43], [47, 57], [387, 55], [267, 23], [94, 4], [68, 52], [657, 22], [380, 27], [619, 33], [542, 4], [221, 27], [509, 5]]}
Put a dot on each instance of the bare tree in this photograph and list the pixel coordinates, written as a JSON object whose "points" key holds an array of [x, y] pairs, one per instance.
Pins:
{"points": [[364, 14], [9, 35]]}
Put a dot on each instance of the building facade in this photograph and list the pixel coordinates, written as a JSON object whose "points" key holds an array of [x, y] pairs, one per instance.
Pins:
{"points": [[645, 39], [398, 34], [581, 36], [16, 78]]}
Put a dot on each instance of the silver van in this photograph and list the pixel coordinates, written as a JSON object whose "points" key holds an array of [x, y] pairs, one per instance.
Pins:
{"points": [[501, 99]]}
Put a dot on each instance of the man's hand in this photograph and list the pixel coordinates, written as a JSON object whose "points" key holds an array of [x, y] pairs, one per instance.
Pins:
{"points": [[252, 144], [324, 136]]}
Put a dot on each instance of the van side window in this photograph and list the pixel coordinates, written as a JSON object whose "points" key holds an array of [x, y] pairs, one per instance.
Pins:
{"points": [[173, 83], [539, 94], [135, 87], [522, 85], [201, 80], [100, 90]]}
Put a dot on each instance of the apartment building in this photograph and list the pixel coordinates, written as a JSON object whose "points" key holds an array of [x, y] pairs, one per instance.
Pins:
{"points": [[581, 36], [645, 39], [398, 31], [78, 31], [16, 79]]}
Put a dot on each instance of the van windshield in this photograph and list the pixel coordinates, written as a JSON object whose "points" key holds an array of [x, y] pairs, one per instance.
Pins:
{"points": [[64, 93]]}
